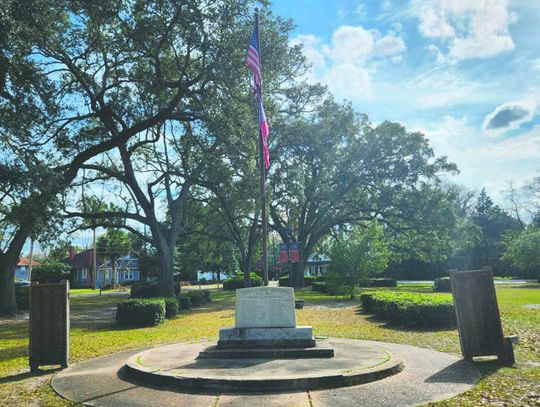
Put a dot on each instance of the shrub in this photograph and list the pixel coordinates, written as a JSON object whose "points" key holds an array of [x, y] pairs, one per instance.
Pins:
{"points": [[171, 307], [238, 281], [184, 302], [196, 298], [149, 289], [22, 296], [410, 308], [378, 282], [285, 282], [442, 284], [51, 271], [141, 312], [319, 286]]}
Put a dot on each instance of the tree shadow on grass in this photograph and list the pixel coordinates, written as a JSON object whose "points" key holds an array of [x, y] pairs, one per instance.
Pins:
{"points": [[15, 331], [403, 328], [27, 375]]}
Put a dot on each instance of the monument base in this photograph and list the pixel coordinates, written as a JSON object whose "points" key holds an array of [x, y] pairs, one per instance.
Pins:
{"points": [[242, 338], [320, 350]]}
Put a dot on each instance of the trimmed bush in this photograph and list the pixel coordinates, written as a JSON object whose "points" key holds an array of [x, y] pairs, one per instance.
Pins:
{"points": [[410, 309], [149, 289], [171, 307], [238, 281], [319, 286], [141, 312], [285, 282], [378, 282], [442, 285], [195, 297], [184, 302], [51, 271], [22, 296]]}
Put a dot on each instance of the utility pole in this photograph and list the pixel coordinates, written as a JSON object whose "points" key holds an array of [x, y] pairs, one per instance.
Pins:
{"points": [[94, 261]]}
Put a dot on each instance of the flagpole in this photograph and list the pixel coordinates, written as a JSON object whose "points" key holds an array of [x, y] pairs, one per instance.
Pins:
{"points": [[262, 166]]}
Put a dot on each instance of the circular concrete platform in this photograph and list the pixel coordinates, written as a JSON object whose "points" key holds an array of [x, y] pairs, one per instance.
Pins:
{"points": [[178, 366], [428, 376]]}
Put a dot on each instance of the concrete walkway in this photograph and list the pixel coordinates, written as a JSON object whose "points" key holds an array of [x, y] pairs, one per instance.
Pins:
{"points": [[428, 376]]}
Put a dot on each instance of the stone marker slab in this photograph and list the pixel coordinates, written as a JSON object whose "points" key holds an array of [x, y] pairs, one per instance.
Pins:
{"points": [[265, 307], [301, 336]]}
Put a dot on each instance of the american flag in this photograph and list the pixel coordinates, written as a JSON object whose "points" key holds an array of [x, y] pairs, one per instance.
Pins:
{"points": [[253, 61]]}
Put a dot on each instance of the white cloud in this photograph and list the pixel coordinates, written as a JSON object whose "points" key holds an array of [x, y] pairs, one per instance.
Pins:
{"points": [[508, 116], [311, 48], [349, 81], [345, 63], [483, 161], [389, 45], [472, 28], [351, 44], [433, 24]]}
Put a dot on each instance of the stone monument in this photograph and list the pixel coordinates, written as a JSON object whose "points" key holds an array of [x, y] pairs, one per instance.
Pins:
{"points": [[265, 326]]}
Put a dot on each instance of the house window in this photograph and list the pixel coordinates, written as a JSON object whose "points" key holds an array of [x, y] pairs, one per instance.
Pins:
{"points": [[128, 276], [84, 274]]}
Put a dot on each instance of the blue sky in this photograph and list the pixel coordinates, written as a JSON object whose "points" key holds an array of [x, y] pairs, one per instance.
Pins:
{"points": [[464, 72]]}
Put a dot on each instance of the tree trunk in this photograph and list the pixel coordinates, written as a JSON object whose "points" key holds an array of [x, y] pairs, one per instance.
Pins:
{"points": [[298, 275], [8, 305], [166, 268], [246, 269], [113, 270]]}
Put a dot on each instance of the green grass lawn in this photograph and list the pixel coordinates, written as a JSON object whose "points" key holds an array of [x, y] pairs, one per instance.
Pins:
{"points": [[94, 333], [85, 291]]}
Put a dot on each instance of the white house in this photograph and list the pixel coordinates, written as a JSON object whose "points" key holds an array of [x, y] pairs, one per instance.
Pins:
{"points": [[317, 265]]}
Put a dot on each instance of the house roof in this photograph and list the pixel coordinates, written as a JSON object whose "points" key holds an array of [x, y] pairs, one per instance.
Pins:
{"points": [[26, 262], [130, 261], [83, 259]]}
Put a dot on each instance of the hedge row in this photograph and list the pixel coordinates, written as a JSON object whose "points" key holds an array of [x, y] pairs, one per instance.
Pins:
{"points": [[141, 312], [237, 281], [319, 286], [149, 289], [410, 308], [22, 296], [153, 311], [378, 282], [308, 281], [442, 284]]}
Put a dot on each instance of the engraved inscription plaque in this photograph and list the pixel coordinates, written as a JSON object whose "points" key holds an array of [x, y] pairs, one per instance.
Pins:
{"points": [[265, 307]]}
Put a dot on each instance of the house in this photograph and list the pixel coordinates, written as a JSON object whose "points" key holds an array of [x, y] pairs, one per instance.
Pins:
{"points": [[127, 271], [23, 268], [317, 265], [82, 267], [212, 276]]}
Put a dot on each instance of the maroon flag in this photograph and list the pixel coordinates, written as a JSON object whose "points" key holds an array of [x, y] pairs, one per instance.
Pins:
{"points": [[295, 257], [283, 255]]}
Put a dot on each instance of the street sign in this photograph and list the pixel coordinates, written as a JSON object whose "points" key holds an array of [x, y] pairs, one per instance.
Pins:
{"points": [[295, 257], [283, 255]]}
